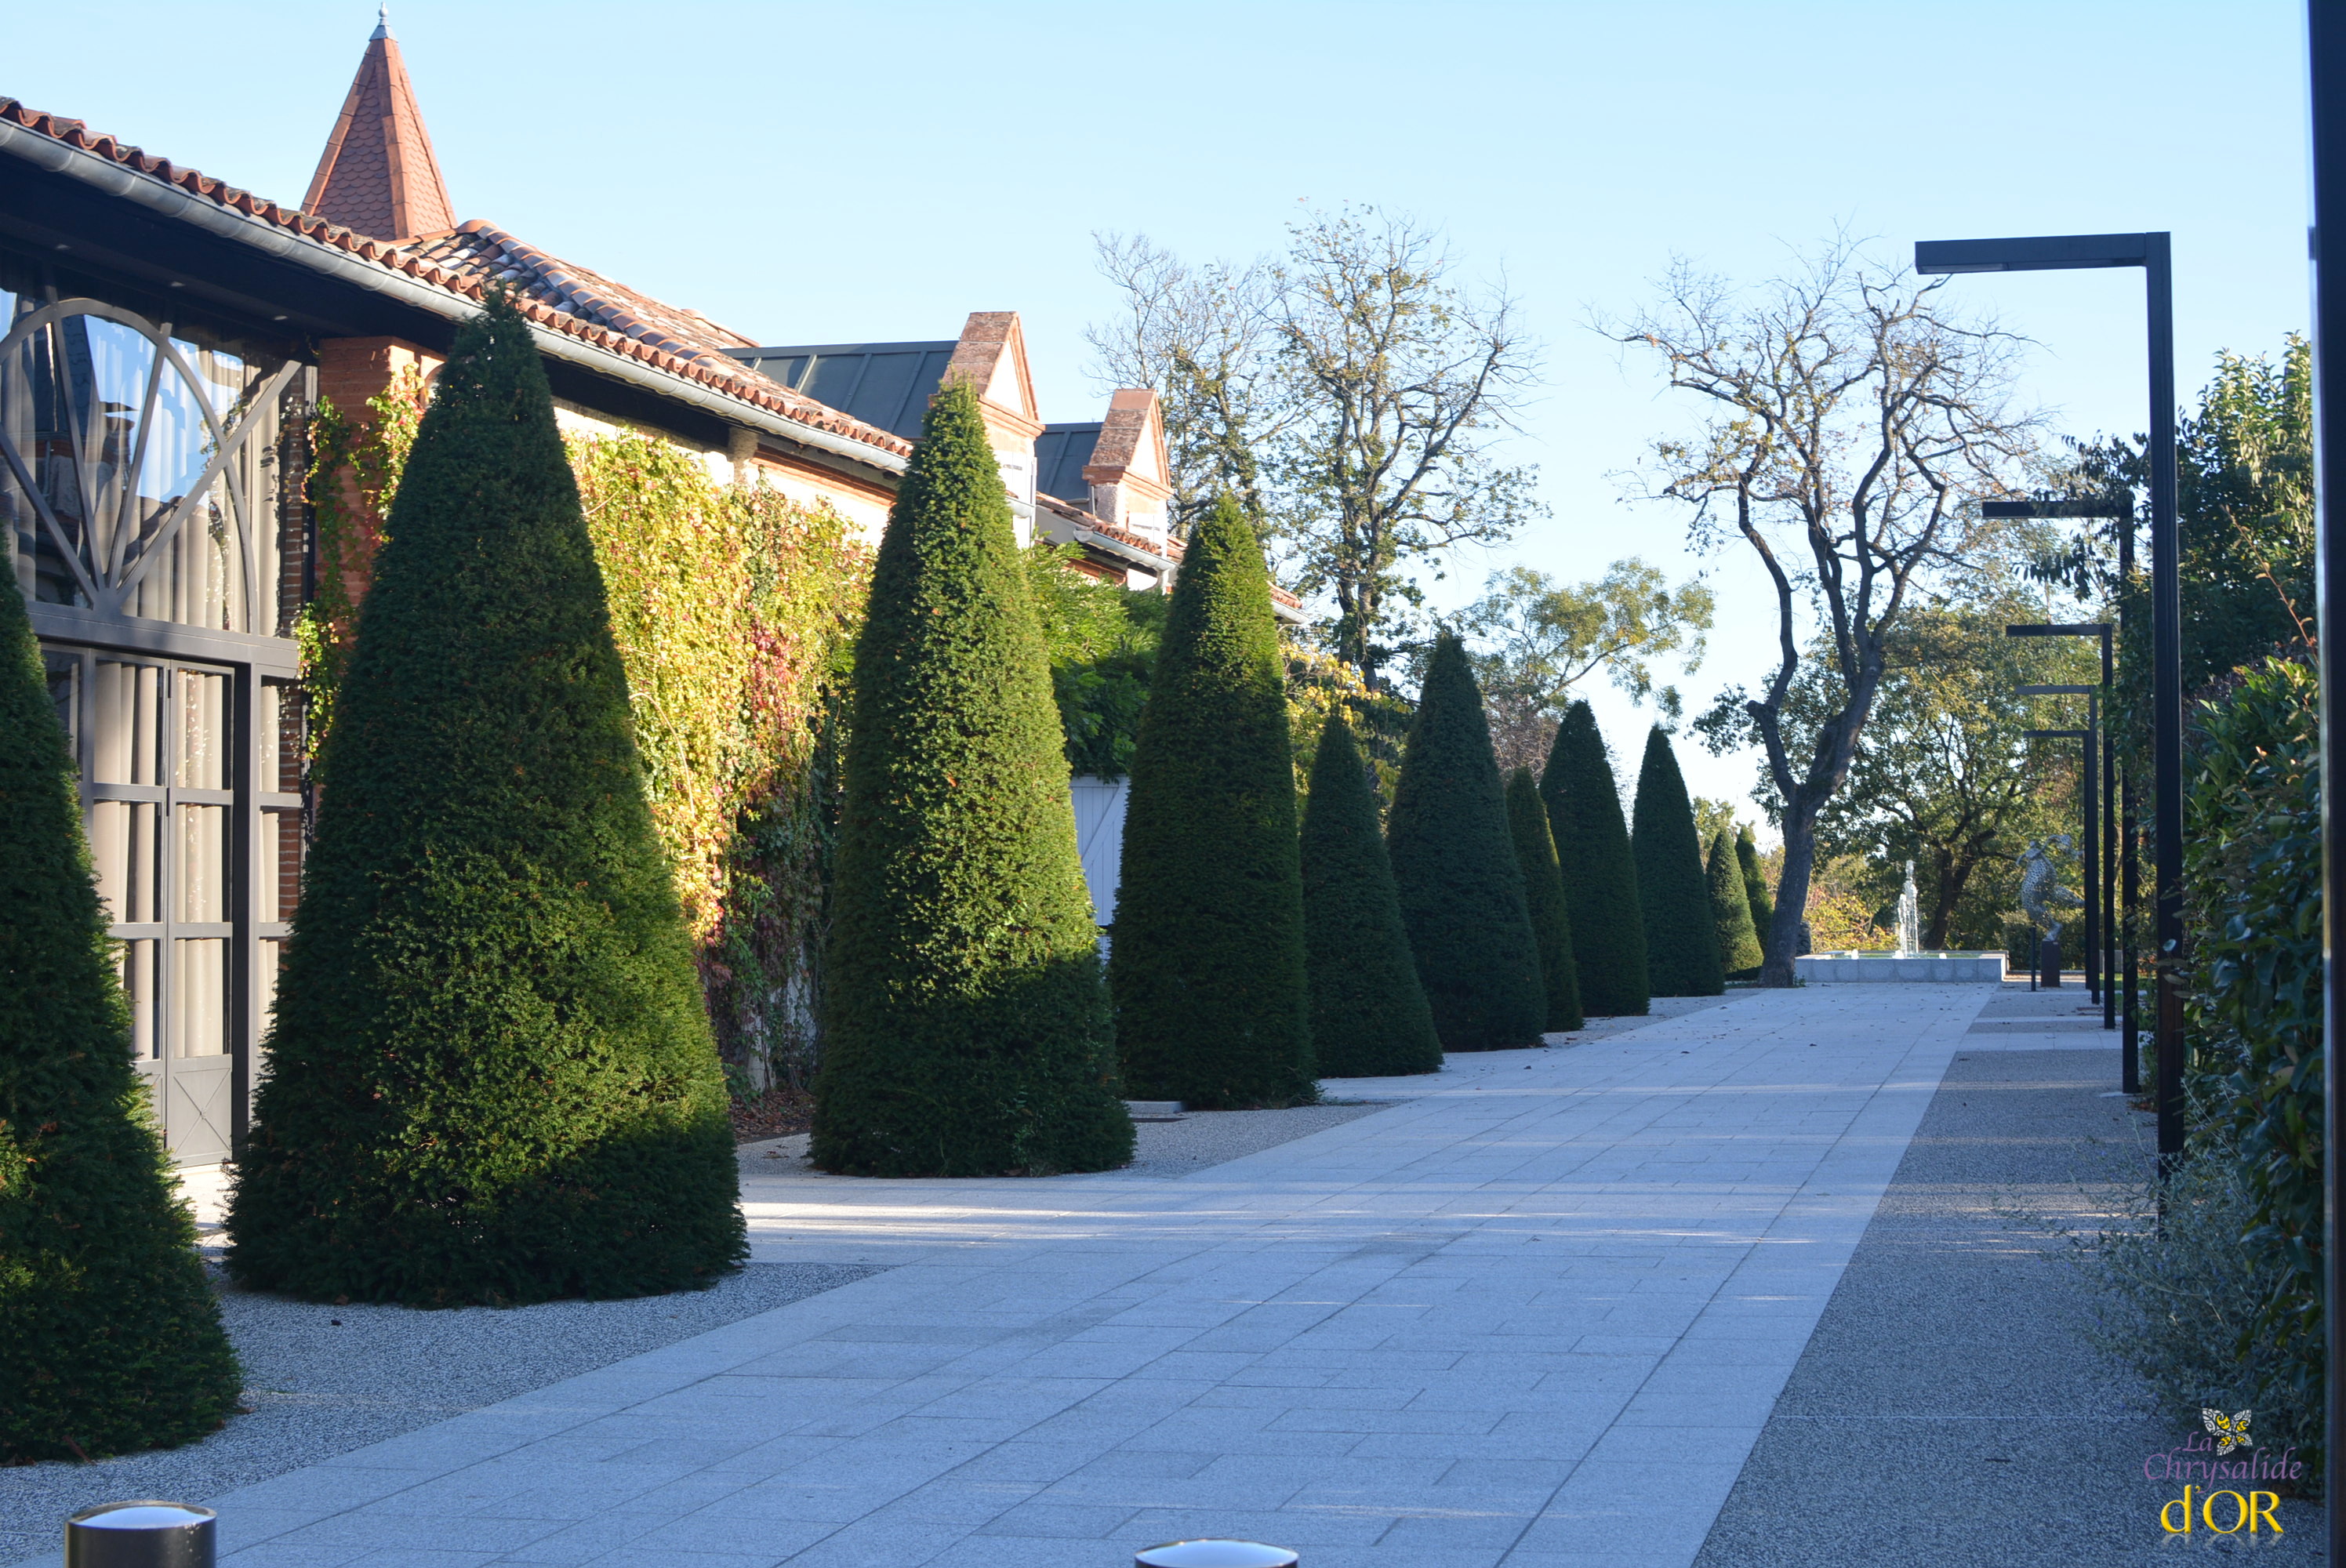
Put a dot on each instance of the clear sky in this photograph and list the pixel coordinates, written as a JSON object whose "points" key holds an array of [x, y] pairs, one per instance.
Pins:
{"points": [[866, 170]]}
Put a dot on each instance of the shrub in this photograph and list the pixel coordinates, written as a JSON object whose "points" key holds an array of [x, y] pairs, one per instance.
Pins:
{"points": [[1730, 911], [1681, 943], [966, 1031], [1544, 900], [2252, 888], [1600, 875], [1207, 971], [1755, 884], [491, 1076], [1369, 1014], [1462, 893], [1101, 639], [113, 1340]]}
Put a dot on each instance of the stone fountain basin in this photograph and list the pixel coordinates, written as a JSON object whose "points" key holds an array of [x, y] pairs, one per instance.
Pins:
{"points": [[1877, 968]]}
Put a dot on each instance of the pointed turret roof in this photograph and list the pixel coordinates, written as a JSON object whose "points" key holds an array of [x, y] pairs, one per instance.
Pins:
{"points": [[378, 174]]}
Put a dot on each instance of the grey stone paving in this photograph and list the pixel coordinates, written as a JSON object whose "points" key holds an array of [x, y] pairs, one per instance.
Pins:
{"points": [[1538, 1312], [1947, 1411], [323, 1380]]}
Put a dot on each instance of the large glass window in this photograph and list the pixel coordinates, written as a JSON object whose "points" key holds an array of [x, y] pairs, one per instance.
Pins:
{"points": [[138, 466]]}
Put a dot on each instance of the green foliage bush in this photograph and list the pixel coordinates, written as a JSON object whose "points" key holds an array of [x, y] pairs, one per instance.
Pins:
{"points": [[966, 1030], [491, 1076], [1600, 875], [2253, 890], [1207, 968], [1453, 859], [1369, 1014], [1755, 884], [1730, 912], [1101, 638], [1681, 942], [113, 1340], [1544, 900]]}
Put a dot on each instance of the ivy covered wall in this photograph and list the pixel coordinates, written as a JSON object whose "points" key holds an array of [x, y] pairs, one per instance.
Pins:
{"points": [[735, 610]]}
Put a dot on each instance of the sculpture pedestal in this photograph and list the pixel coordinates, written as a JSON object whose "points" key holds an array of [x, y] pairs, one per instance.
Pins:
{"points": [[2049, 963]]}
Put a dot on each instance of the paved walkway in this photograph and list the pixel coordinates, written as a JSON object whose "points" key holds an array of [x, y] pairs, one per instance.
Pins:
{"points": [[1537, 1313]]}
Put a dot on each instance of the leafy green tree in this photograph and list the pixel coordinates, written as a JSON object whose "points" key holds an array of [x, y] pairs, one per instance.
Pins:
{"points": [[1101, 639], [1538, 638], [1755, 882], [1369, 1014], [966, 1030], [1462, 893], [1681, 943], [491, 1076], [1600, 875], [1730, 912], [1544, 898], [1207, 971], [113, 1339]]}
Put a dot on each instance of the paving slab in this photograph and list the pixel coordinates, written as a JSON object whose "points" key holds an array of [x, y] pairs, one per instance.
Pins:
{"points": [[1536, 1311]]}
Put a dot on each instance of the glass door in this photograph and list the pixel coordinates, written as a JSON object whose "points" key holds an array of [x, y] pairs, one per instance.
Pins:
{"points": [[176, 829]]}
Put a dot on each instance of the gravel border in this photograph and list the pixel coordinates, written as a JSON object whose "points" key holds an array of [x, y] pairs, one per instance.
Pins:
{"points": [[323, 1380], [1947, 1409]]}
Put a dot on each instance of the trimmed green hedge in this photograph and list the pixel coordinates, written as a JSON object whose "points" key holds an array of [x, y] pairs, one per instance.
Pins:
{"points": [[1207, 971], [1755, 886], [1681, 943], [113, 1339], [965, 1026], [491, 1078], [1600, 875], [1730, 911], [1544, 898], [1462, 893], [1369, 1014]]}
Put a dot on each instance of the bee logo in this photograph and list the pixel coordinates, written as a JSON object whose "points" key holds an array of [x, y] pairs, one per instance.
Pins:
{"points": [[2230, 1431]]}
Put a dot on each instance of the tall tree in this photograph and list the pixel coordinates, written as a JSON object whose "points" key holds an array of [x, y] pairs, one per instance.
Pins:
{"points": [[1462, 893], [1681, 943], [1543, 897], [113, 1339], [965, 1026], [1207, 971], [1351, 394], [1755, 881], [1536, 639], [491, 1075], [1600, 875], [1848, 421], [1730, 911], [1369, 1014]]}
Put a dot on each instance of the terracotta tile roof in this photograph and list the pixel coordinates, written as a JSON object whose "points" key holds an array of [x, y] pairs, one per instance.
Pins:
{"points": [[379, 174], [555, 295]]}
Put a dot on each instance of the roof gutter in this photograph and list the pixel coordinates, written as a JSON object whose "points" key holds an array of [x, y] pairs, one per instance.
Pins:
{"points": [[1118, 547], [164, 200]]}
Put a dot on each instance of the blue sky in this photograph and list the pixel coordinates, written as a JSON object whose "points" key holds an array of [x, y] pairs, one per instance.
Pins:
{"points": [[858, 171]]}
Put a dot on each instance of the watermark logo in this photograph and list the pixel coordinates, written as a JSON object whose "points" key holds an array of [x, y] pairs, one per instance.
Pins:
{"points": [[2230, 1431]]}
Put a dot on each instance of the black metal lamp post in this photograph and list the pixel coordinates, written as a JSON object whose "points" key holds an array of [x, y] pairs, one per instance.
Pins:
{"points": [[2092, 825], [2326, 55], [2152, 254], [2100, 974]]}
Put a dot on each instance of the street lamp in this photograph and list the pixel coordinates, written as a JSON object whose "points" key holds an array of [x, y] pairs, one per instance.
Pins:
{"points": [[2101, 971], [2152, 254]]}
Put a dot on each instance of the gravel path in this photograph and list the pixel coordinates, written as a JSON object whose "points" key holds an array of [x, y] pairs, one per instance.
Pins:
{"points": [[324, 1381], [1947, 1410]]}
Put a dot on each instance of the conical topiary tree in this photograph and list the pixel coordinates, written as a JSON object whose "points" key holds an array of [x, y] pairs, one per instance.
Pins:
{"points": [[965, 1027], [1544, 898], [1462, 893], [1730, 911], [1600, 875], [490, 1077], [1207, 971], [1755, 885], [113, 1339], [1681, 943], [1369, 1014]]}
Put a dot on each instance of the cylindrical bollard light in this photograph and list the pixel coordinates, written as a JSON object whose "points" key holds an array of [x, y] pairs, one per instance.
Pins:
{"points": [[144, 1535], [1215, 1555]]}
